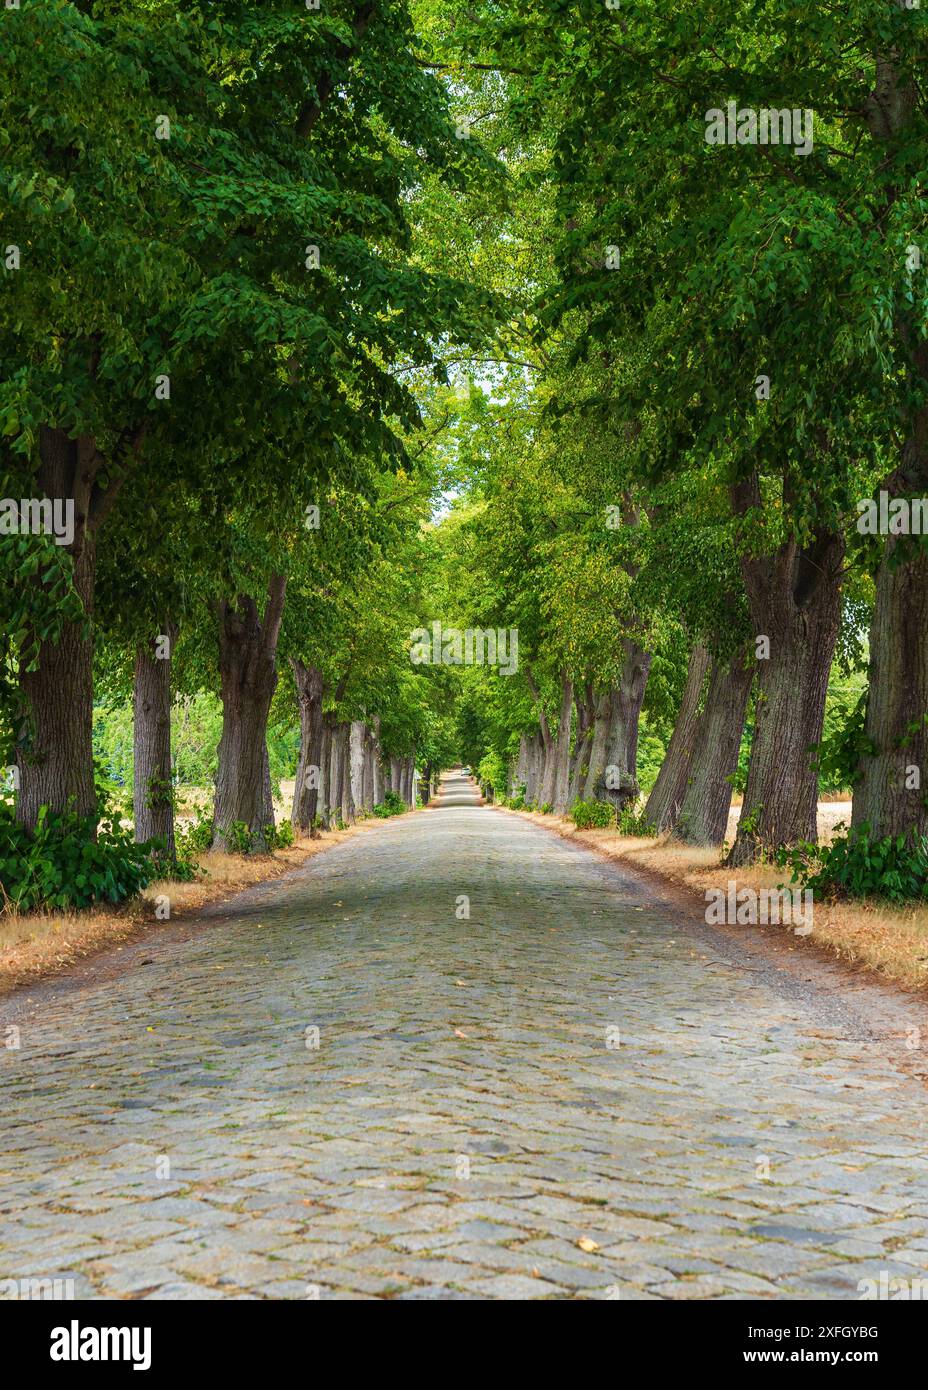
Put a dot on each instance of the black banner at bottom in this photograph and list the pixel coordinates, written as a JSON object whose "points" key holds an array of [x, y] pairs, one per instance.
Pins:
{"points": [[157, 1340]]}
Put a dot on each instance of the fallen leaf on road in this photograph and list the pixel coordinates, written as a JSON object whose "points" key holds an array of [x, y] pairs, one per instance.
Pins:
{"points": [[459, 1034], [588, 1245]]}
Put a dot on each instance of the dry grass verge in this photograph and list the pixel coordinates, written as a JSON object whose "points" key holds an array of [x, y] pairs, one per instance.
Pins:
{"points": [[892, 941], [38, 944]]}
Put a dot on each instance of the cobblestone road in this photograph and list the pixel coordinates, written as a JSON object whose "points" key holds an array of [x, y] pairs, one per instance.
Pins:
{"points": [[471, 1124]]}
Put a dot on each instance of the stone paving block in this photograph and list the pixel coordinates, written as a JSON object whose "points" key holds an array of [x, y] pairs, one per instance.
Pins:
{"points": [[516, 1286]]}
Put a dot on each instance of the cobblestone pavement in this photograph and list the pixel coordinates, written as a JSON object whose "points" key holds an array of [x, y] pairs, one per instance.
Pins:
{"points": [[471, 1124]]}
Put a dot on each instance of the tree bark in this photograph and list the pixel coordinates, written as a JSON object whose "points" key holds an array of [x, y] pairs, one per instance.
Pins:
{"points": [[309, 692], [547, 763], [614, 772], [248, 675], [703, 814], [602, 714], [586, 709], [54, 743], [347, 807], [561, 754], [356, 741], [337, 772], [367, 779], [378, 778], [532, 771], [795, 600], [663, 805], [519, 768], [268, 819], [890, 794], [153, 789]]}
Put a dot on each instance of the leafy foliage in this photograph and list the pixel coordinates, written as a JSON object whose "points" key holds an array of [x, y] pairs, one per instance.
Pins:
{"points": [[64, 864], [392, 805], [633, 821], [195, 837], [854, 866], [588, 815]]}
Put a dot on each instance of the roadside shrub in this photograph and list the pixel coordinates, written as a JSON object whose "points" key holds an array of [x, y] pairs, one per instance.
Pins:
{"points": [[633, 821], [854, 866], [62, 865], [196, 837], [546, 809], [392, 805], [241, 840], [180, 869], [280, 836], [592, 815]]}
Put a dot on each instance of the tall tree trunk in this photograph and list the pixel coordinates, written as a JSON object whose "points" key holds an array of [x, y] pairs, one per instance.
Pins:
{"points": [[547, 763], [337, 774], [891, 791], [617, 776], [548, 772], [795, 601], [582, 741], [602, 715], [703, 814], [344, 753], [356, 741], [562, 748], [627, 701], [54, 744], [268, 819], [533, 762], [378, 777], [519, 768], [891, 794], [667, 794], [248, 674], [367, 780], [309, 691], [153, 788], [323, 805]]}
